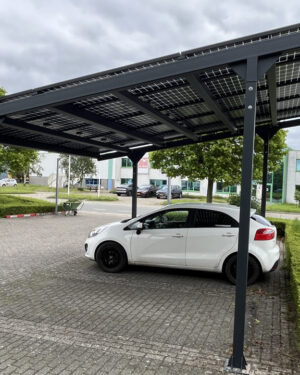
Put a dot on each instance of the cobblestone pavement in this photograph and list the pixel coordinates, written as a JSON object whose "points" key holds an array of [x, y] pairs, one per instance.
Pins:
{"points": [[60, 314]]}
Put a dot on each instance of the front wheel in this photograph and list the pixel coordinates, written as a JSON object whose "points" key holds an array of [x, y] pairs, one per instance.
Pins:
{"points": [[254, 269], [111, 257]]}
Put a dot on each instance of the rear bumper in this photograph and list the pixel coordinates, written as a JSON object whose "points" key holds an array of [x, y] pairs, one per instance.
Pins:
{"points": [[275, 266]]}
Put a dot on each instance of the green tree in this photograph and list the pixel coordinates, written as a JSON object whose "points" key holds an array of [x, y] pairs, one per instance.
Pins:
{"points": [[80, 166], [217, 161], [19, 162]]}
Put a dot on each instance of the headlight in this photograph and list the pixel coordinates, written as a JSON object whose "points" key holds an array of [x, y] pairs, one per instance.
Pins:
{"points": [[96, 231]]}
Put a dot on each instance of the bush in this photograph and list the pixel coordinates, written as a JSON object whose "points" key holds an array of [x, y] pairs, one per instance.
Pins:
{"points": [[80, 189], [235, 200], [292, 241], [297, 197], [11, 205], [280, 225]]}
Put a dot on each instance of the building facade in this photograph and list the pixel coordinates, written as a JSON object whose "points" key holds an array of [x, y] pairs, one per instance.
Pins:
{"points": [[281, 186]]}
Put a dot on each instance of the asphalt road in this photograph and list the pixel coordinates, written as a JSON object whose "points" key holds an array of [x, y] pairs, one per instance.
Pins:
{"points": [[121, 207]]}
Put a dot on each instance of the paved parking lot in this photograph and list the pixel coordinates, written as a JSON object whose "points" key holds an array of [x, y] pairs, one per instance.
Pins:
{"points": [[60, 314]]}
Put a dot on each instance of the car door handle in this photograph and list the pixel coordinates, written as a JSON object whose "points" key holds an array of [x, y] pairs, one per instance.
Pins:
{"points": [[178, 236], [228, 235]]}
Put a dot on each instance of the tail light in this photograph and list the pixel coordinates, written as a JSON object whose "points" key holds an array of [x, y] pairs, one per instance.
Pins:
{"points": [[264, 234]]}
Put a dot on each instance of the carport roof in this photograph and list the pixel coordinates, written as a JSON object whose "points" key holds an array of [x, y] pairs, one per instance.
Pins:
{"points": [[187, 97]]}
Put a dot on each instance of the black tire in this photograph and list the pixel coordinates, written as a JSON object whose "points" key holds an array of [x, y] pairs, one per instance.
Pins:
{"points": [[118, 194], [128, 193], [157, 197], [254, 269], [111, 257]]}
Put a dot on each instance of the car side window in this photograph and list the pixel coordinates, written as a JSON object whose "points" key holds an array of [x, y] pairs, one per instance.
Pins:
{"points": [[167, 220], [213, 219]]}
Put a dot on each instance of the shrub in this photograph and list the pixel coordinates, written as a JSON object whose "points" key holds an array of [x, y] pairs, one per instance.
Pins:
{"points": [[11, 205], [297, 197], [292, 241], [235, 200]]}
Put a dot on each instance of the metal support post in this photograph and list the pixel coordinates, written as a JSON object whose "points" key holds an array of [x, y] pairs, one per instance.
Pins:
{"points": [[237, 359], [134, 188], [169, 190], [69, 175], [56, 194], [135, 159], [265, 175]]}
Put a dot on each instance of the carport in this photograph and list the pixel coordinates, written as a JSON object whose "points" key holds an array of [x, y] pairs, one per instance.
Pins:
{"points": [[224, 90]]}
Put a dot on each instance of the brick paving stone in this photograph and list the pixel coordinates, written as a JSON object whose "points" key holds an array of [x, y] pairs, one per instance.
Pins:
{"points": [[60, 314]]}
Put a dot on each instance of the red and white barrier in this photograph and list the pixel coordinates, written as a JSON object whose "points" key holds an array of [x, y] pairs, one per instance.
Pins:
{"points": [[34, 214]]}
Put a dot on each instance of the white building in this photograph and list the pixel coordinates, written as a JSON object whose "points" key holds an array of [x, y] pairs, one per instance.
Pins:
{"points": [[119, 171], [292, 175]]}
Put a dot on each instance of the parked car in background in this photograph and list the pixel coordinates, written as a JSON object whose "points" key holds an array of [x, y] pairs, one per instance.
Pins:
{"points": [[124, 189], [188, 236], [8, 182], [162, 193], [146, 191]]}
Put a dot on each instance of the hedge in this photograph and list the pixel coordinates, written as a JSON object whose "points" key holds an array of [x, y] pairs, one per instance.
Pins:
{"points": [[292, 242], [11, 205]]}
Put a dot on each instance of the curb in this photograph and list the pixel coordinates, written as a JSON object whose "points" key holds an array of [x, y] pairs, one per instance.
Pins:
{"points": [[34, 214]]}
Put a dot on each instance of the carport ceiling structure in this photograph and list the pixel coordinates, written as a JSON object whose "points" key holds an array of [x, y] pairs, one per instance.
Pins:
{"points": [[220, 91], [175, 100]]}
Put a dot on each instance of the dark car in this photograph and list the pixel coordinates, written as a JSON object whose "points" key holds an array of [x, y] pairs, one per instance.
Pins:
{"points": [[146, 191], [124, 189], [176, 192]]}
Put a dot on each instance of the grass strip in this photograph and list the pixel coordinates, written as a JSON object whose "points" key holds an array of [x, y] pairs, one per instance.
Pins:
{"points": [[283, 207], [88, 197]]}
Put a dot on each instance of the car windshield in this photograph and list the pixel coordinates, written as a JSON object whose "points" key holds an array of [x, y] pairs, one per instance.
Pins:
{"points": [[144, 187], [165, 187]]}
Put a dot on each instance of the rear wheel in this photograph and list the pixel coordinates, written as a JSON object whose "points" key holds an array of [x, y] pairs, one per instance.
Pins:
{"points": [[118, 194], [111, 257], [230, 267]]}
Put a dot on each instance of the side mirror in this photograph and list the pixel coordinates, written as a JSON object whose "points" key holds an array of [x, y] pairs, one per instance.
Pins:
{"points": [[139, 227]]}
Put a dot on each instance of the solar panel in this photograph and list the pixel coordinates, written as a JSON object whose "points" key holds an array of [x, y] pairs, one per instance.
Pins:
{"points": [[154, 102]]}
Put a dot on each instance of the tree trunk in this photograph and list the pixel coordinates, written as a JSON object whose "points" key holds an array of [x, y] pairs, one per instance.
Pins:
{"points": [[209, 194]]}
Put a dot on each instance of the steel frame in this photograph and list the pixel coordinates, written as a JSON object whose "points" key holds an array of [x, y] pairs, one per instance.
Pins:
{"points": [[250, 61]]}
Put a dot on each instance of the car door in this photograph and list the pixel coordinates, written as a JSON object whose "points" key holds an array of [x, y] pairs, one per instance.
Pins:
{"points": [[212, 234], [163, 239]]}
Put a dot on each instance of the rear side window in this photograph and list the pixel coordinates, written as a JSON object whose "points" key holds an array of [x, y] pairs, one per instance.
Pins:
{"points": [[261, 220], [210, 218]]}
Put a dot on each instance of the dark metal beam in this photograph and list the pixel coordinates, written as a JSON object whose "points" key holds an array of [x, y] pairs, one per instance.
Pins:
{"points": [[155, 113], [204, 93], [237, 360], [134, 156], [265, 177], [46, 147], [98, 120], [271, 79], [34, 129], [163, 71]]}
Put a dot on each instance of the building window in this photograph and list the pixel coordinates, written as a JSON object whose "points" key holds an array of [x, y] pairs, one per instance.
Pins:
{"points": [[221, 188], [126, 163], [298, 165], [190, 185], [126, 181], [297, 187], [158, 183]]}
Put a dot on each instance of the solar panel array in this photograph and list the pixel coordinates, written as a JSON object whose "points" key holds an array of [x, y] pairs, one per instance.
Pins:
{"points": [[160, 112]]}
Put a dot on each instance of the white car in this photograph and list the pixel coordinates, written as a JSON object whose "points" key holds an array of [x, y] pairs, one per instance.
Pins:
{"points": [[8, 182], [189, 236]]}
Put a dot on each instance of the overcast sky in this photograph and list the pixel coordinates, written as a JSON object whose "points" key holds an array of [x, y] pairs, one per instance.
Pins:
{"points": [[44, 41]]}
